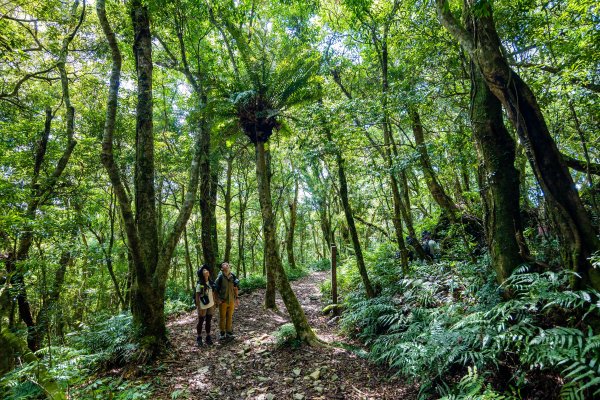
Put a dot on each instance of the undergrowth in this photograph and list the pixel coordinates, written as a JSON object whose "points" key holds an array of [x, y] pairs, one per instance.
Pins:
{"points": [[101, 346], [447, 326], [254, 282]]}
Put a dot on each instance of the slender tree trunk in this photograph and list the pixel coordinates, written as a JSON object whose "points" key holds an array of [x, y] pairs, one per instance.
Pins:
{"points": [[214, 185], [293, 206], [397, 200], [51, 302], [227, 254], [303, 330], [360, 261], [437, 191]]}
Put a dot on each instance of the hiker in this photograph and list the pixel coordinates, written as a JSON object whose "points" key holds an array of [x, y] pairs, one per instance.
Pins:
{"points": [[205, 303], [226, 288], [431, 247]]}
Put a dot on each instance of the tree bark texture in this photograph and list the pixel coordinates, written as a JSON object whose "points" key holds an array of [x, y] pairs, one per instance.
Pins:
{"points": [[498, 179], [303, 329], [576, 231]]}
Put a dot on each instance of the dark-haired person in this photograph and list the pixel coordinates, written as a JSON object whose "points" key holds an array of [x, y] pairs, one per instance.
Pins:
{"points": [[226, 288], [205, 304]]}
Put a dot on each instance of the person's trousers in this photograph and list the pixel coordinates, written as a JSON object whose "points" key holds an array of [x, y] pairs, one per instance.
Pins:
{"points": [[205, 315], [226, 316]]}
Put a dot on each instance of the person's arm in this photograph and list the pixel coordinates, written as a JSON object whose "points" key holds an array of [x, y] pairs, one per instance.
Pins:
{"points": [[197, 300], [235, 291], [216, 290]]}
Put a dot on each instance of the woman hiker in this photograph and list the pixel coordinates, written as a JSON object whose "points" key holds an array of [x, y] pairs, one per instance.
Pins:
{"points": [[226, 288], [205, 303]]}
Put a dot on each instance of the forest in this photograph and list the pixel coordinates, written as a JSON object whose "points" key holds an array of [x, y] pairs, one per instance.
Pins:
{"points": [[407, 190]]}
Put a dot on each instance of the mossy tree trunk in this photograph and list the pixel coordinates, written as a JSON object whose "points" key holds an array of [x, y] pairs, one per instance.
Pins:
{"points": [[150, 258], [498, 179], [576, 232], [303, 329]]}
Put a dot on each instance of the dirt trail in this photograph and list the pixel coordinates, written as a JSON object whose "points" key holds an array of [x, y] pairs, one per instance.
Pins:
{"points": [[252, 367]]}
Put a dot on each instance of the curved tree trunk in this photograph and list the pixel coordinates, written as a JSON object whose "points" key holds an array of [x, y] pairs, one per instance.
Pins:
{"points": [[303, 329], [151, 260], [576, 231], [437, 191], [498, 179]]}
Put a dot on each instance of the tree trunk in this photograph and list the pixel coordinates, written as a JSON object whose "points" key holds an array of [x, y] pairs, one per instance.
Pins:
{"points": [[303, 330], [576, 231], [210, 257], [360, 261], [150, 260], [498, 179], [227, 253], [50, 303], [270, 253], [214, 185], [293, 206], [437, 191]]}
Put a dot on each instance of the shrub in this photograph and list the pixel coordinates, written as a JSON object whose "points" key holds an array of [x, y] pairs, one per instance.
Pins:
{"points": [[449, 317], [286, 336], [252, 283], [320, 265], [110, 342]]}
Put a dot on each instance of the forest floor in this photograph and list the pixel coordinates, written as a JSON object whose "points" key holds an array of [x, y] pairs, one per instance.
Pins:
{"points": [[252, 366]]}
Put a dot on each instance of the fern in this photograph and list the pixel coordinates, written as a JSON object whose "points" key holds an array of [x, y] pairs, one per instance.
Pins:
{"points": [[433, 326]]}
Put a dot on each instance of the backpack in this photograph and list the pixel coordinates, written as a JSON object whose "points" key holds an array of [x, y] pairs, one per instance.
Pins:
{"points": [[426, 248]]}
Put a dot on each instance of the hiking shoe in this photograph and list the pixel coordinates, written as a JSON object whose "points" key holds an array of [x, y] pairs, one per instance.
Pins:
{"points": [[199, 341], [222, 336], [230, 335], [209, 341]]}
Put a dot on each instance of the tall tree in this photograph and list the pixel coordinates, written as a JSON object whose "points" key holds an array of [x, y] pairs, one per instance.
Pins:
{"points": [[43, 188], [484, 46], [151, 257], [268, 86]]}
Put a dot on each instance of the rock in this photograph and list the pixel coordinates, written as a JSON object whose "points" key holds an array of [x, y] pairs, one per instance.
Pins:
{"points": [[316, 374], [298, 396], [319, 389], [296, 371], [203, 370], [270, 396], [334, 377]]}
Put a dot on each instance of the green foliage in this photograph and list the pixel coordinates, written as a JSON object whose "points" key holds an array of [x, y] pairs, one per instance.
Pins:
{"points": [[252, 283], [110, 342], [177, 299], [320, 265], [114, 388], [286, 336], [471, 386], [448, 318]]}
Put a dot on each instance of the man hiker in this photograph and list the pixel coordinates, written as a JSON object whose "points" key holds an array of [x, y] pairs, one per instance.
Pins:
{"points": [[226, 288]]}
